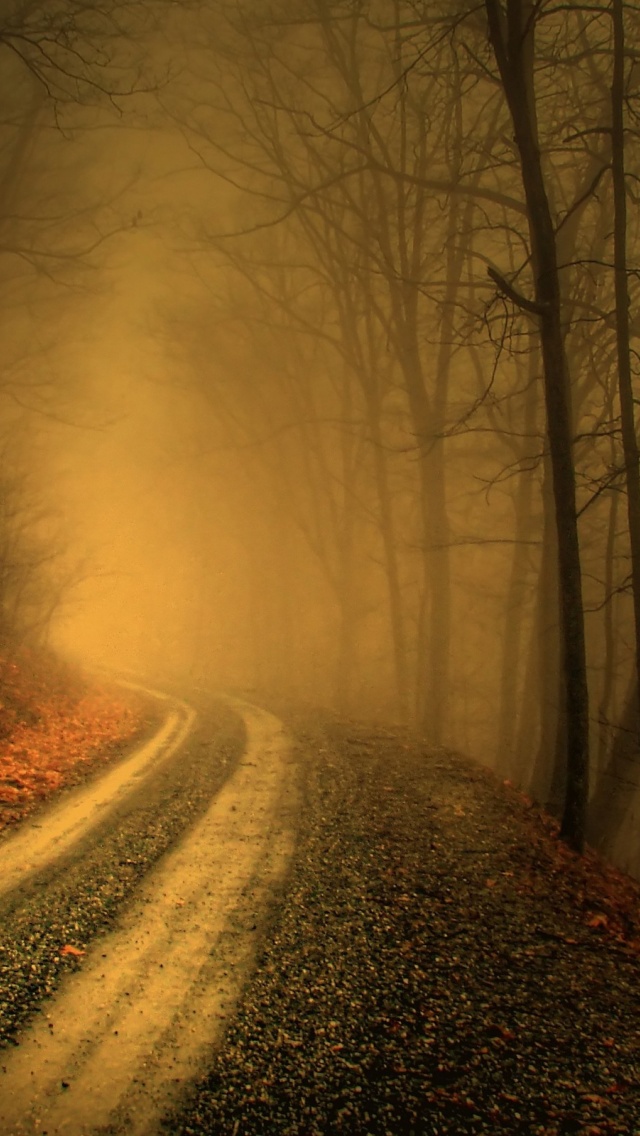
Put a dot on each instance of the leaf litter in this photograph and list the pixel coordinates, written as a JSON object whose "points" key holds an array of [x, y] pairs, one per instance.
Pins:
{"points": [[438, 963], [56, 728], [47, 925]]}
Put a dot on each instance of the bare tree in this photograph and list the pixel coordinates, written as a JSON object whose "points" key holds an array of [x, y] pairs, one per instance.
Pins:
{"points": [[512, 37]]}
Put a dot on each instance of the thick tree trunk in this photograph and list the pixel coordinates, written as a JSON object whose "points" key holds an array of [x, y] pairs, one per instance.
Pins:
{"points": [[512, 36]]}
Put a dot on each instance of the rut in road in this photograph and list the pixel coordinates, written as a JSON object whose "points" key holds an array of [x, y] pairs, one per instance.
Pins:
{"points": [[137, 1022], [36, 845]]}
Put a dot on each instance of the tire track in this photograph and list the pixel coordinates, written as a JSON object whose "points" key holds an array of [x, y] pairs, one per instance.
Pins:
{"points": [[135, 1024], [38, 843]]}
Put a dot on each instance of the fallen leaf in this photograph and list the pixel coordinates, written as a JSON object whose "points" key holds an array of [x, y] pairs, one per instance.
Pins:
{"points": [[68, 949], [598, 920]]}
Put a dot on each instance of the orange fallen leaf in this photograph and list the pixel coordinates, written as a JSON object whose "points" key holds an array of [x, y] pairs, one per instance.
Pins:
{"points": [[598, 920], [68, 949]]}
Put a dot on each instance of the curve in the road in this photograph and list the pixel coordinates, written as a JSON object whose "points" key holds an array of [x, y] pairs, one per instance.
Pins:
{"points": [[38, 843], [138, 1020]]}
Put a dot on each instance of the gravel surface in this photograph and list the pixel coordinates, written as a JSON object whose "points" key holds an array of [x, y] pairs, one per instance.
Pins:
{"points": [[77, 898], [438, 963]]}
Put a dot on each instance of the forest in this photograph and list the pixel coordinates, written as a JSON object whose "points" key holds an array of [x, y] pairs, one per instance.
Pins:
{"points": [[320, 365]]}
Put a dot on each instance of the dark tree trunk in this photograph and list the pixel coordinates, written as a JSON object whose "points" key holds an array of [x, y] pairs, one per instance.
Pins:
{"points": [[618, 785], [508, 758], [625, 388], [511, 32], [390, 557], [606, 707], [549, 770], [345, 667]]}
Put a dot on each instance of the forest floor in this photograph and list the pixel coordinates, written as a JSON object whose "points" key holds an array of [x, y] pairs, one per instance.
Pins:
{"points": [[438, 962], [434, 961], [57, 728]]}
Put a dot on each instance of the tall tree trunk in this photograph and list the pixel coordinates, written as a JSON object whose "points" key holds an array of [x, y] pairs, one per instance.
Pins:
{"points": [[606, 705], [617, 785], [366, 365], [390, 559], [549, 765], [429, 421], [625, 387], [612, 794], [429, 653], [511, 663], [346, 570], [511, 33], [345, 664]]}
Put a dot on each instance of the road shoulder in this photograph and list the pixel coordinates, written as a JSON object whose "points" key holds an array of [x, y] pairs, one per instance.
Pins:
{"points": [[435, 964]]}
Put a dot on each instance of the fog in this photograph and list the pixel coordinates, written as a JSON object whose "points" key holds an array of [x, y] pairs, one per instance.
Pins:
{"points": [[291, 438]]}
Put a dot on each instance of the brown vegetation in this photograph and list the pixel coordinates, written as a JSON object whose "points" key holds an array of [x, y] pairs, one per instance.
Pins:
{"points": [[54, 728]]}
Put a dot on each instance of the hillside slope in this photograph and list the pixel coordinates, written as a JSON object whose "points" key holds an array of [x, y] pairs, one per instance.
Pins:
{"points": [[57, 727]]}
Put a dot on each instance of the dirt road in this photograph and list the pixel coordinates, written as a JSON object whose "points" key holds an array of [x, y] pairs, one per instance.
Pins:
{"points": [[36, 845], [138, 1019]]}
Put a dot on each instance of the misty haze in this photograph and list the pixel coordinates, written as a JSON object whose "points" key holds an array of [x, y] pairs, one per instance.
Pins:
{"points": [[319, 568]]}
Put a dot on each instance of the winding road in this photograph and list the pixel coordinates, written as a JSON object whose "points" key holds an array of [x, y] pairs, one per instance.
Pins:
{"points": [[135, 1023]]}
